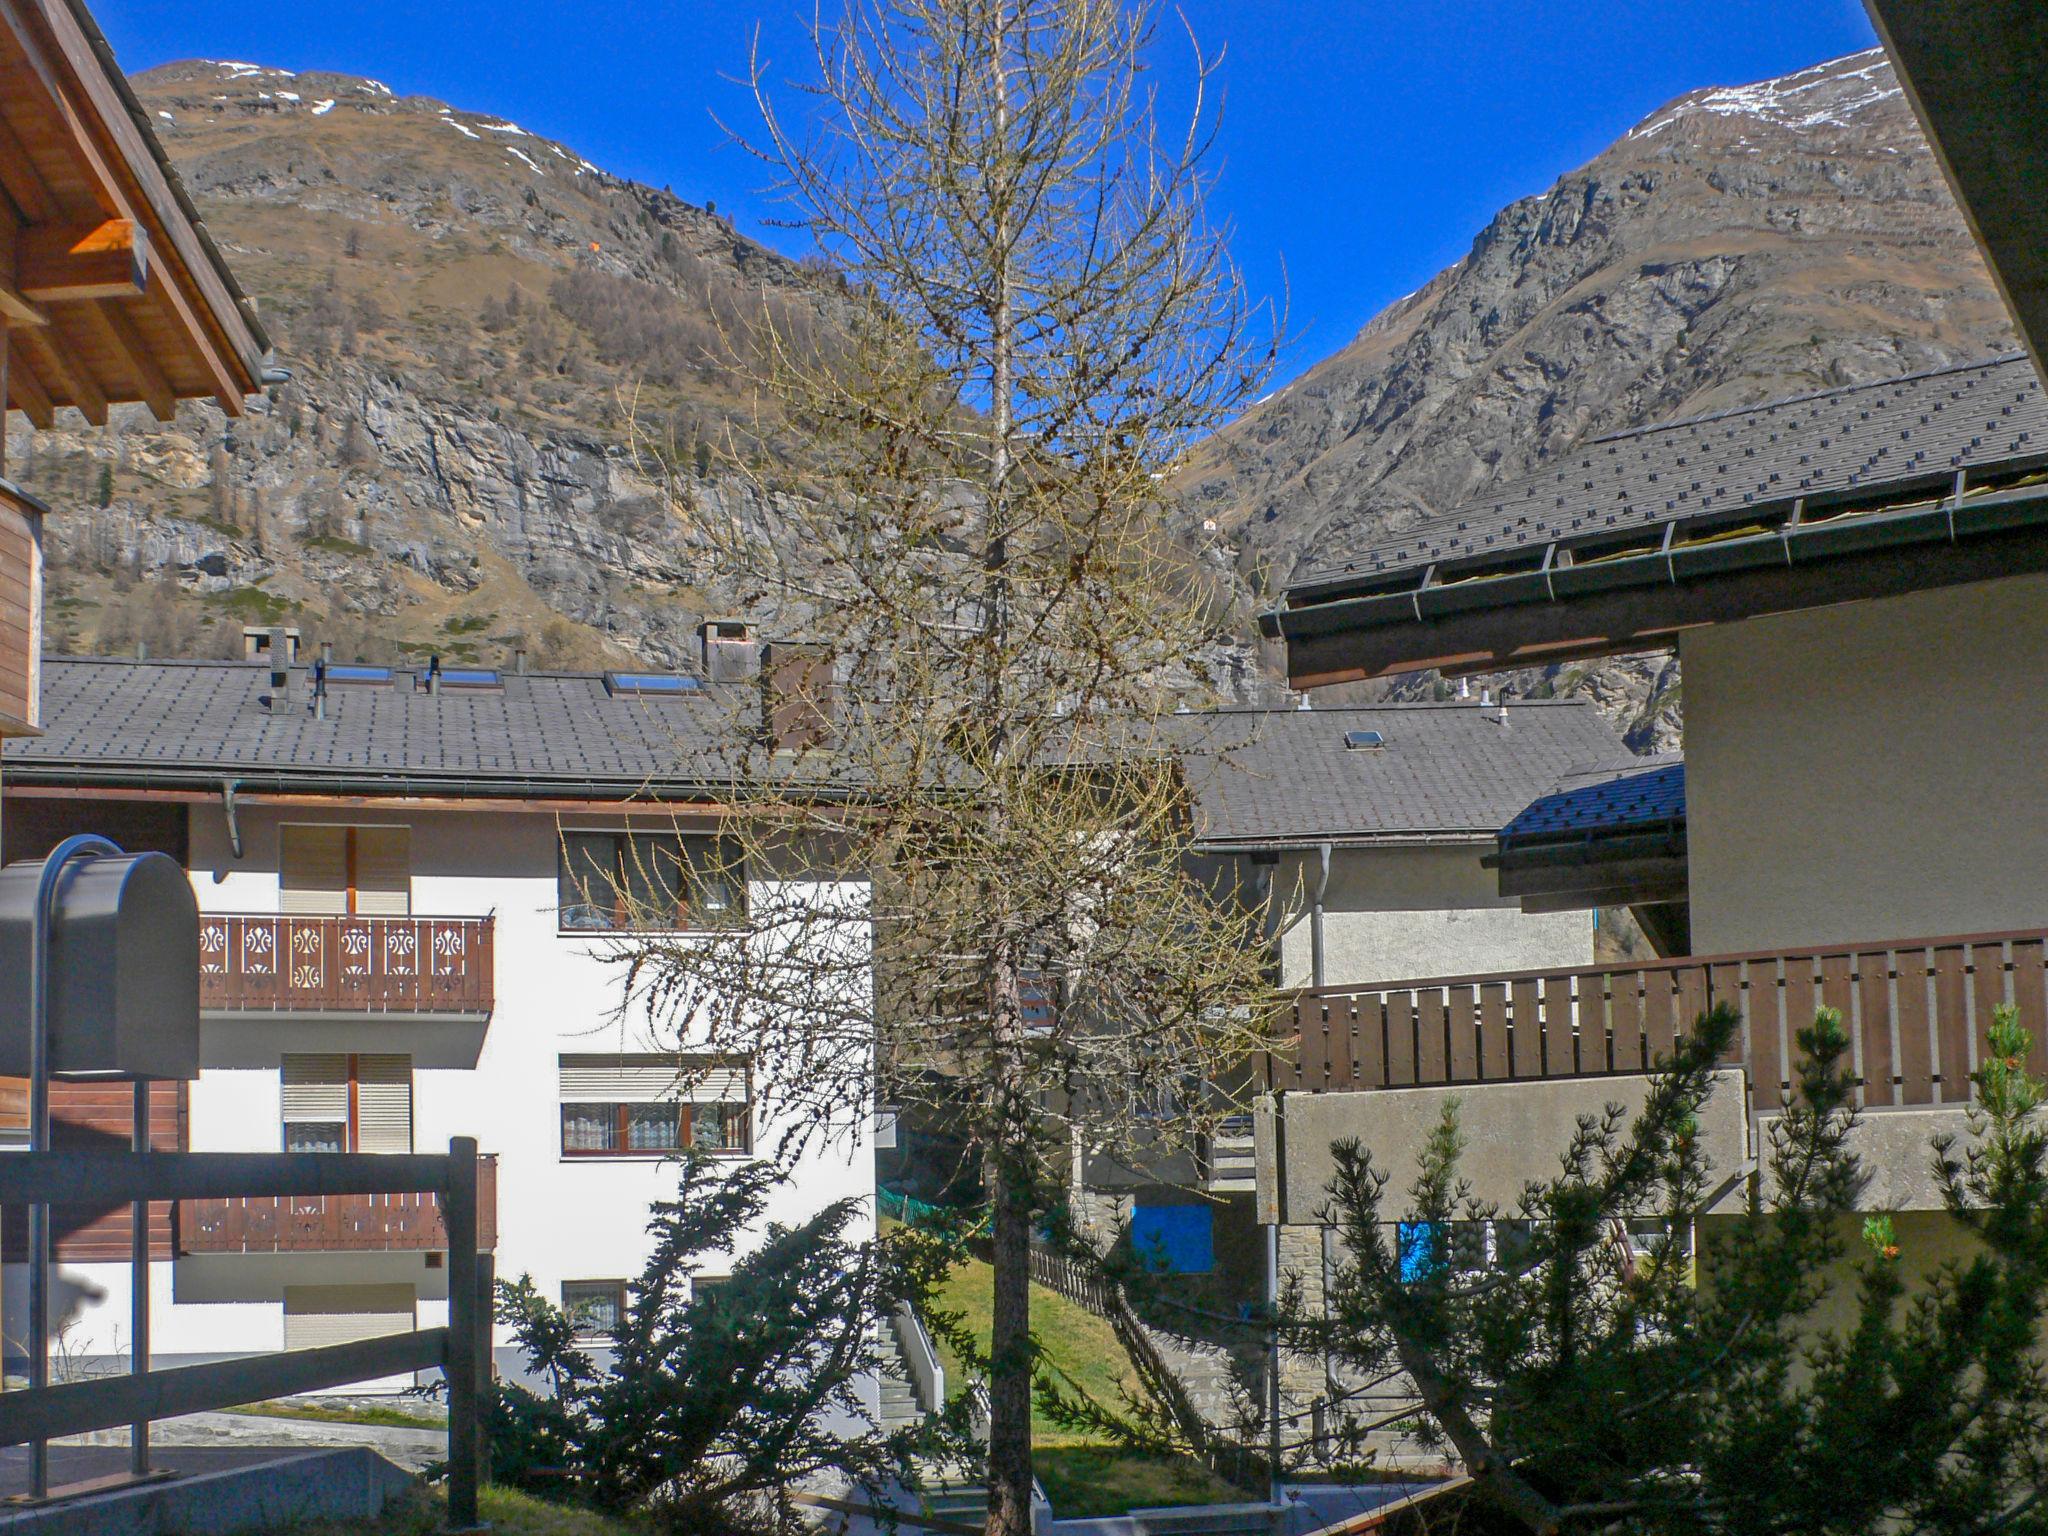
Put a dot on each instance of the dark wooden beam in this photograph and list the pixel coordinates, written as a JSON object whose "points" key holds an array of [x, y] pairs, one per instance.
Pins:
{"points": [[1974, 71], [82, 1178], [108, 1402], [97, 259], [20, 180], [119, 335], [24, 389], [1652, 616], [68, 376]]}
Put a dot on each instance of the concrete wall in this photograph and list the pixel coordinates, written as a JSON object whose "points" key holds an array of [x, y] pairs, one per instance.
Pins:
{"points": [[559, 1218], [1869, 771], [1394, 914], [1515, 1134]]}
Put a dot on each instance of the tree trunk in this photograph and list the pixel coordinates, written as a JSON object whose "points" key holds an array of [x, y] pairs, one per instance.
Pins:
{"points": [[1009, 1427]]}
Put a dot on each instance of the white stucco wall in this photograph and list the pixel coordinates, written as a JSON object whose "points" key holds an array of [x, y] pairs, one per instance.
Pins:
{"points": [[1869, 771], [558, 1218], [1394, 914]]}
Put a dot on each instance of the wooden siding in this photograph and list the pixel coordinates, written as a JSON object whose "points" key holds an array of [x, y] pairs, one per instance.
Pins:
{"points": [[31, 825], [1916, 1011], [333, 1223], [21, 641], [97, 1117], [277, 964]]}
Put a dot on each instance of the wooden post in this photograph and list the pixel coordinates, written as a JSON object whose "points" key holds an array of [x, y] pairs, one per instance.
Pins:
{"points": [[138, 1266], [486, 1369], [458, 1209]]}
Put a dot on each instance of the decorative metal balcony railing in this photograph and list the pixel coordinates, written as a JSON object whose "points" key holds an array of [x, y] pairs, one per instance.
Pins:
{"points": [[1916, 1011], [279, 964], [400, 1223]]}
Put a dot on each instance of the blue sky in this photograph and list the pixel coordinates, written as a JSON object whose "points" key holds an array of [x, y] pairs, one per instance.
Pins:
{"points": [[1364, 142]]}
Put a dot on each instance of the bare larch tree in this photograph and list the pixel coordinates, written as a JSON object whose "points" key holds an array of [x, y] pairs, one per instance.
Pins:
{"points": [[975, 757]]}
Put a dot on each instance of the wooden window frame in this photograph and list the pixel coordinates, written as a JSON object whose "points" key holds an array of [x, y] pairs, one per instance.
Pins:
{"points": [[352, 1129], [622, 1114], [622, 838]]}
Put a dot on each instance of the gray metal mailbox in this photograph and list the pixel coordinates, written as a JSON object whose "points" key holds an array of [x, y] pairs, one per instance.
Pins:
{"points": [[124, 968]]}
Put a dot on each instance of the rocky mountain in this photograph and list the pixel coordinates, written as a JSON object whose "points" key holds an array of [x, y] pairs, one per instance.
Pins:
{"points": [[494, 346], [1738, 244]]}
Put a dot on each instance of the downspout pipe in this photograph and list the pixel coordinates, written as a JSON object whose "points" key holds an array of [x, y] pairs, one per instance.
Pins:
{"points": [[227, 806], [1315, 918]]}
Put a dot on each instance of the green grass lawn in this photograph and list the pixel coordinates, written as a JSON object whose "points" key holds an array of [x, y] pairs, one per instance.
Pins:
{"points": [[379, 1414], [1083, 1478], [424, 1512]]}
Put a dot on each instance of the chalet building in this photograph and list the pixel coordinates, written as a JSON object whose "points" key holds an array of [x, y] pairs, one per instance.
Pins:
{"points": [[1371, 830], [1856, 584], [404, 931]]}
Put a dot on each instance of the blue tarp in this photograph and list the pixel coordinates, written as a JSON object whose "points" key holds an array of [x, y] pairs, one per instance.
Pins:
{"points": [[1177, 1238]]}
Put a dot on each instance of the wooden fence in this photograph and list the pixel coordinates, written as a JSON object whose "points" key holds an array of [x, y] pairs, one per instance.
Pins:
{"points": [[268, 963], [461, 1351], [1916, 1011]]}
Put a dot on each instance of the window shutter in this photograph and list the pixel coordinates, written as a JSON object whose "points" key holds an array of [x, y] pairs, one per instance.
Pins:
{"points": [[313, 870], [648, 1080], [342, 1314], [384, 1103], [315, 1089], [383, 871]]}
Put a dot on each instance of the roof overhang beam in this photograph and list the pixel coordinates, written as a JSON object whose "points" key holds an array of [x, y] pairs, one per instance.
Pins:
{"points": [[1645, 601]]}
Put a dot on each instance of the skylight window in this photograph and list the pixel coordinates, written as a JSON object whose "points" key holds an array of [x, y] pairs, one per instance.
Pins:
{"points": [[654, 683], [470, 677], [1364, 741], [373, 677]]}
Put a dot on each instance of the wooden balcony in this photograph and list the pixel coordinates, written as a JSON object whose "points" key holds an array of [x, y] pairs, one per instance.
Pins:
{"points": [[407, 1223], [430, 966], [1916, 1011]]}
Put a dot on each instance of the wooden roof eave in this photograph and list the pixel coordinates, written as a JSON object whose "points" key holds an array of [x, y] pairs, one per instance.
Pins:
{"points": [[181, 329], [1646, 601]]}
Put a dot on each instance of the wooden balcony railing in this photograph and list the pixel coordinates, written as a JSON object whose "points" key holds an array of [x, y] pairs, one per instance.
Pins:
{"points": [[1916, 1011], [332, 1223], [275, 964]]}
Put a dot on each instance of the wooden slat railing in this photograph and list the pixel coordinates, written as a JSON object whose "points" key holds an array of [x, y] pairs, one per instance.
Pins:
{"points": [[271, 963], [1916, 1011], [382, 1223]]}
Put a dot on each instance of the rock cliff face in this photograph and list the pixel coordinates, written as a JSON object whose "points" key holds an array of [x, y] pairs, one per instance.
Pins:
{"points": [[461, 306], [491, 340], [1739, 244]]}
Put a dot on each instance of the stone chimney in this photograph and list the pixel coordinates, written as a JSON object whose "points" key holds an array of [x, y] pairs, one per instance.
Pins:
{"points": [[732, 651], [799, 696]]}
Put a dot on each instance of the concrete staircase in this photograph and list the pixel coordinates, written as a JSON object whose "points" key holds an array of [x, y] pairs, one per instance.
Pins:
{"points": [[899, 1397]]}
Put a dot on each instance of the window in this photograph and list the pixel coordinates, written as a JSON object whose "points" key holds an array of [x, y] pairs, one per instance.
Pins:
{"points": [[622, 880], [338, 1102], [345, 871], [653, 1106], [597, 1308], [649, 683]]}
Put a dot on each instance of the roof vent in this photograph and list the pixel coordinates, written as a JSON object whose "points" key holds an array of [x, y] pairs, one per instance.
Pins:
{"points": [[1364, 741]]}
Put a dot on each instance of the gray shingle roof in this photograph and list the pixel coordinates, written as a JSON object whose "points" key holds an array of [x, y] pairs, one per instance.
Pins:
{"points": [[208, 720], [1260, 776], [1928, 424], [1263, 777]]}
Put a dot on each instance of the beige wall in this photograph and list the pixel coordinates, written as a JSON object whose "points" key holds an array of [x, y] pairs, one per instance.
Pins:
{"points": [[1398, 914], [1870, 771]]}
